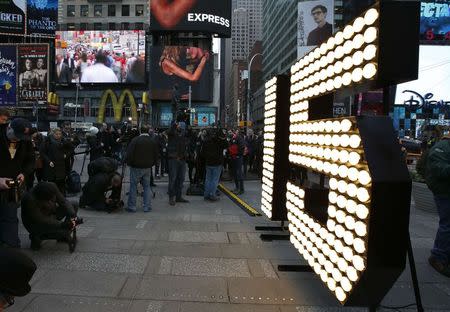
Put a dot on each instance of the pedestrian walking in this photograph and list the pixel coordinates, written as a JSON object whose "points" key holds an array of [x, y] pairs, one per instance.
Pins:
{"points": [[142, 154], [236, 152]]}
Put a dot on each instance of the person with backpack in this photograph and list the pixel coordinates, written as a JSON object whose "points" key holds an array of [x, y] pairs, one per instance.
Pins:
{"points": [[236, 152], [437, 176]]}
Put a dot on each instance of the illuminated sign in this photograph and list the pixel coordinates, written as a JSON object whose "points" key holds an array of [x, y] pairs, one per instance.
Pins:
{"points": [[352, 227], [435, 20]]}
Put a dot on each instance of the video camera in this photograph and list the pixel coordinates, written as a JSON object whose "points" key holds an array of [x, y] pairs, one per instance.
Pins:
{"points": [[12, 184]]}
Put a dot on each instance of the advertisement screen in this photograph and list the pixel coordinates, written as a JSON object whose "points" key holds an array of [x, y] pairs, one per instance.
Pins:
{"points": [[12, 17], [435, 21], [8, 71], [432, 87], [32, 80], [315, 24], [191, 15], [175, 68], [100, 57], [42, 17]]}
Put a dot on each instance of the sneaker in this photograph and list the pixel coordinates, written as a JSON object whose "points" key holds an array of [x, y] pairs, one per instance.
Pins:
{"points": [[130, 210], [439, 266], [213, 199], [181, 200], [172, 202]]}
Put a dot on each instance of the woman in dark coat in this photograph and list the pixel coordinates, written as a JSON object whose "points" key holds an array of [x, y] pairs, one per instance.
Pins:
{"points": [[53, 155]]}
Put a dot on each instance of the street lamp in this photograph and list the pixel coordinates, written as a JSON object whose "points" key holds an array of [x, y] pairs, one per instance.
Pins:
{"points": [[248, 84]]}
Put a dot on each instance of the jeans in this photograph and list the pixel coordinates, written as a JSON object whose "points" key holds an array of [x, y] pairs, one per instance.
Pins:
{"points": [[177, 173], [441, 249], [140, 175], [9, 223], [212, 178], [238, 175]]}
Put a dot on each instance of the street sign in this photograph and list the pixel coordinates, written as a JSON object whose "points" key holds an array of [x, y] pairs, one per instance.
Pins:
{"points": [[82, 125]]}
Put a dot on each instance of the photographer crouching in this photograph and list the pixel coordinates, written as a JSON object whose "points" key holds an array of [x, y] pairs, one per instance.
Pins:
{"points": [[46, 214], [17, 162]]}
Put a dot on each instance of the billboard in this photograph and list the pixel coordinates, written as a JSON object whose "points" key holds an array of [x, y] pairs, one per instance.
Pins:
{"points": [[315, 24], [435, 21], [42, 17], [32, 78], [191, 15], [77, 52], [13, 16], [8, 71], [175, 68], [432, 87]]}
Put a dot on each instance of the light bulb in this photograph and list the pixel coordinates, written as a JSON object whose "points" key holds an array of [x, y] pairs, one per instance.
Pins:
{"points": [[346, 125], [352, 190], [340, 216], [346, 285], [359, 245], [334, 169], [347, 79], [360, 228], [342, 264], [358, 24], [331, 211], [355, 141], [343, 155], [370, 35], [348, 32], [348, 238], [354, 159], [358, 262], [331, 283], [330, 43], [338, 246], [364, 177], [335, 154], [358, 58], [338, 66], [344, 142], [333, 183], [337, 82], [352, 274], [340, 294], [357, 75], [349, 222], [339, 37], [348, 46], [343, 171], [348, 253], [339, 52], [370, 52], [332, 197], [331, 225], [371, 16], [363, 195], [362, 212], [347, 63], [339, 230]]}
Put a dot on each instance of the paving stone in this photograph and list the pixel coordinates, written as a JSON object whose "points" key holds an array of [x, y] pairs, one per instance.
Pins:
{"points": [[129, 234], [214, 267], [236, 227], [215, 219], [45, 259], [101, 262], [217, 307], [154, 306], [20, 303], [80, 283], [258, 251], [202, 250], [198, 237], [321, 309], [76, 304], [173, 288], [273, 291]]}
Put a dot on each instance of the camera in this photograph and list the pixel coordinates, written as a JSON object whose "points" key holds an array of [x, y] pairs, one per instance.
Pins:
{"points": [[78, 221], [13, 183]]}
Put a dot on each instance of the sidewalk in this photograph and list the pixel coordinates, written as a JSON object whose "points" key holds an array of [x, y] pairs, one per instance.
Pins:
{"points": [[196, 257]]}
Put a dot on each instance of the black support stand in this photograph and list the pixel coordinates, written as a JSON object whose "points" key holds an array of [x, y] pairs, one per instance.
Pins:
{"points": [[272, 228], [272, 237]]}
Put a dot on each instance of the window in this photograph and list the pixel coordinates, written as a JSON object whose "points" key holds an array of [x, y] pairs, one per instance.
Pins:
{"points": [[83, 26], [125, 26], [98, 26], [84, 10], [139, 10], [125, 10], [139, 26], [70, 11], [111, 26], [98, 10], [70, 26], [112, 10]]}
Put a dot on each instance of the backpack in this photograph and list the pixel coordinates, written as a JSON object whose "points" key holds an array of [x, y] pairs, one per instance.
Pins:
{"points": [[233, 150], [74, 182]]}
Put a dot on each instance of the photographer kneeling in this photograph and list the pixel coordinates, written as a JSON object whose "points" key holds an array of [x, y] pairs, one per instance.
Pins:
{"points": [[46, 214]]}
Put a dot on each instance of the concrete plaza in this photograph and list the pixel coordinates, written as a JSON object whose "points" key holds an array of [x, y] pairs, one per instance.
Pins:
{"points": [[197, 257]]}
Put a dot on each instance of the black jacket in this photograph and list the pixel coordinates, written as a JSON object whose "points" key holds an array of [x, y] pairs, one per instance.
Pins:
{"points": [[142, 152], [103, 165], [177, 144], [23, 161], [94, 191], [40, 216], [95, 147], [53, 151], [212, 150]]}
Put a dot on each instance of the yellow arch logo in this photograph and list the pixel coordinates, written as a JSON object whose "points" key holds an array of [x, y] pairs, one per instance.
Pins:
{"points": [[117, 104]]}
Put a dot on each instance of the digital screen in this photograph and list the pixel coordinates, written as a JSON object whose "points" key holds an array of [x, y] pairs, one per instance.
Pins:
{"points": [[96, 57], [191, 15], [176, 68], [432, 86], [435, 21]]}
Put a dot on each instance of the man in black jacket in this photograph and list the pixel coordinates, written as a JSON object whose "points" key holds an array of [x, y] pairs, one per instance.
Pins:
{"points": [[142, 155], [17, 162], [177, 152], [213, 152], [46, 214]]}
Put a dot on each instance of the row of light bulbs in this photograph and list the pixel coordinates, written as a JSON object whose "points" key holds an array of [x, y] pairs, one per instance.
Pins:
{"points": [[336, 264], [336, 125], [335, 155], [327, 140]]}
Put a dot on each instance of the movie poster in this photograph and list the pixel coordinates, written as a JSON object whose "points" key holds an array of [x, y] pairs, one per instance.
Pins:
{"points": [[315, 24], [42, 16], [32, 74], [12, 17], [8, 73]]}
